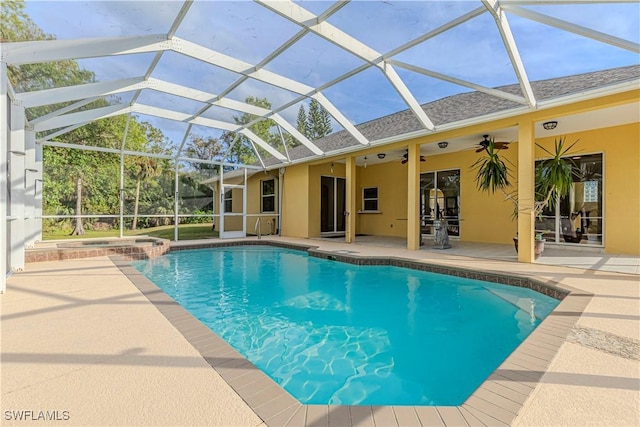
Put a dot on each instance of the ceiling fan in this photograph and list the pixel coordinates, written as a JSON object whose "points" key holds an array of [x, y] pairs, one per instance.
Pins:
{"points": [[405, 157], [482, 145]]}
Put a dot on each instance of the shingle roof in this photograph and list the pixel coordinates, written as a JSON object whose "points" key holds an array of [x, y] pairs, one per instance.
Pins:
{"points": [[465, 106]]}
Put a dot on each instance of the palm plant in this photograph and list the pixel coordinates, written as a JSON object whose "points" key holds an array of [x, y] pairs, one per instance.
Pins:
{"points": [[553, 176]]}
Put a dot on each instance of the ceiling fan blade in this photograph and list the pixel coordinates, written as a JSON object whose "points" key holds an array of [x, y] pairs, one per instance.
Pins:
{"points": [[422, 159], [480, 150], [404, 161]]}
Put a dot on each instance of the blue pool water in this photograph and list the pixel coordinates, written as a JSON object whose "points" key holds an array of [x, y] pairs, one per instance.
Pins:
{"points": [[335, 333]]}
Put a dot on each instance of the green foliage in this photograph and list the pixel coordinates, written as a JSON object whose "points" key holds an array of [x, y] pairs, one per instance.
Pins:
{"points": [[553, 176], [208, 148], [492, 172], [318, 121], [241, 148], [301, 123], [16, 27]]}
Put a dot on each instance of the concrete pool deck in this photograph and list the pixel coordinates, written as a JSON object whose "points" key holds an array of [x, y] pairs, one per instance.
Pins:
{"points": [[79, 336]]}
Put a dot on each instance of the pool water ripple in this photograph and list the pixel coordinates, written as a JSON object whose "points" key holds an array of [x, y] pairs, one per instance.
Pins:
{"points": [[334, 333]]}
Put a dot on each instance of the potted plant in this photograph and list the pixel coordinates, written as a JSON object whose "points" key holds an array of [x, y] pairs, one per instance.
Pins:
{"points": [[553, 179]]}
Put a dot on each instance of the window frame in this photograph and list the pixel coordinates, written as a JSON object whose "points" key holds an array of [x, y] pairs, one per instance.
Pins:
{"points": [[366, 199], [228, 200], [263, 195]]}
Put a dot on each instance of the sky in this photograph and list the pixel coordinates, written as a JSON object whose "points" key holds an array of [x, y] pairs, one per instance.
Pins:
{"points": [[248, 31]]}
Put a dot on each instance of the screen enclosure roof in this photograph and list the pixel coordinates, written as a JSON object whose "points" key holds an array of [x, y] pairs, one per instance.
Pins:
{"points": [[381, 69]]}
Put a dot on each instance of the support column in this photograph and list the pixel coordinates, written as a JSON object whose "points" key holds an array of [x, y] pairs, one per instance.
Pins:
{"points": [[413, 197], [4, 152], [17, 177], [31, 174], [176, 201], [37, 192], [351, 197], [526, 191]]}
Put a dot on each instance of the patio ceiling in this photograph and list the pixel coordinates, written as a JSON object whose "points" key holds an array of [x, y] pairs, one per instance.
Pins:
{"points": [[189, 67]]}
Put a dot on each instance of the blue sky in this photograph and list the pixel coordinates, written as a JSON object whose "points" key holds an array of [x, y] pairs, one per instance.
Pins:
{"points": [[246, 30]]}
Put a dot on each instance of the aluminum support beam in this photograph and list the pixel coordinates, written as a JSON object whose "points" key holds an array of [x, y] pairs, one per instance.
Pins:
{"points": [[489, 91], [61, 111], [79, 92], [59, 50], [332, 34], [140, 153], [183, 117], [82, 117], [4, 152], [37, 190], [33, 173], [512, 50], [232, 64], [16, 187], [573, 28]]}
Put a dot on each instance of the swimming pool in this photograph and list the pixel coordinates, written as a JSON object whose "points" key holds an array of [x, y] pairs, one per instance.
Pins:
{"points": [[335, 333]]}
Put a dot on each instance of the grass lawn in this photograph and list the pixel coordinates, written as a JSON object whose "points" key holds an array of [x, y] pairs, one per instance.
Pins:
{"points": [[185, 232]]}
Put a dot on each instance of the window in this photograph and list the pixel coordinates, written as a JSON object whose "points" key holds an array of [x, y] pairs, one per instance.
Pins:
{"points": [[228, 201], [579, 216], [370, 199], [268, 195]]}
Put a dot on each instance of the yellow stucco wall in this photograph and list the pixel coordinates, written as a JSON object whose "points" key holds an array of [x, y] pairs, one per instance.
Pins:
{"points": [[391, 180], [620, 146], [484, 217], [295, 202]]}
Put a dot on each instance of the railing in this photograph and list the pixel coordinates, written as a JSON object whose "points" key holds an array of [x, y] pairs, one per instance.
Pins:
{"points": [[257, 228]]}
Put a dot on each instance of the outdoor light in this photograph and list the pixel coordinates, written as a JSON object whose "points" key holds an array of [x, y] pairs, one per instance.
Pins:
{"points": [[331, 168], [381, 156], [550, 125], [443, 144], [365, 162]]}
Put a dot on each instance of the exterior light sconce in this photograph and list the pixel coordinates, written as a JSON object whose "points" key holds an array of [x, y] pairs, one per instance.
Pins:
{"points": [[331, 168], [365, 162], [443, 144], [381, 156], [550, 125]]}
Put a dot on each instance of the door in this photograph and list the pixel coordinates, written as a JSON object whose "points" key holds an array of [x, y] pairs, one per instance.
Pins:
{"points": [[332, 205], [440, 199], [233, 203]]}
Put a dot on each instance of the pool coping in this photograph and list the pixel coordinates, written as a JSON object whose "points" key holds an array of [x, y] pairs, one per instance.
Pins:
{"points": [[497, 401]]}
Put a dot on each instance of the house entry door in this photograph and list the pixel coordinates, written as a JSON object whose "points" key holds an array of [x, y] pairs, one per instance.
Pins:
{"points": [[332, 205]]}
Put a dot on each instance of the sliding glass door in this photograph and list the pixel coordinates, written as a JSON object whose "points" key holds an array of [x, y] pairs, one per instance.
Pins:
{"points": [[332, 205], [440, 199]]}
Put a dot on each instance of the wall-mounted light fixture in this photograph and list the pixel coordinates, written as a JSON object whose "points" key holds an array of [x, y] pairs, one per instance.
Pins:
{"points": [[331, 168], [381, 156], [365, 162], [443, 144], [550, 125]]}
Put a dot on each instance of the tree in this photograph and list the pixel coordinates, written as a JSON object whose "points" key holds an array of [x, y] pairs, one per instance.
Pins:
{"points": [[17, 26], [208, 148], [77, 180], [316, 124], [242, 151], [302, 124]]}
